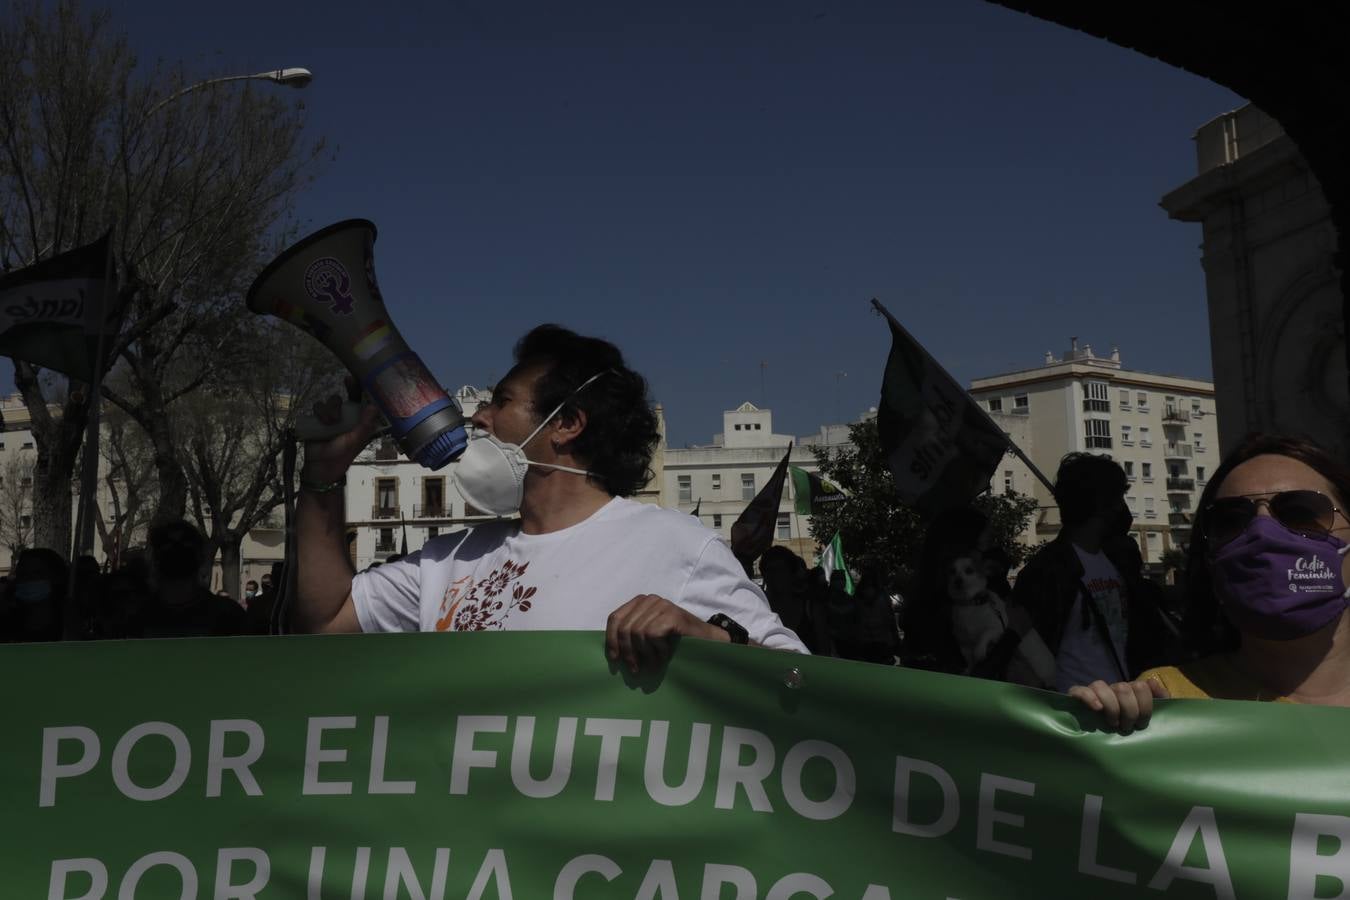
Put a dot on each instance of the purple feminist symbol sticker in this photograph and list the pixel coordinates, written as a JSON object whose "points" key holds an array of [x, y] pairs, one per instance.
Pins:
{"points": [[327, 281]]}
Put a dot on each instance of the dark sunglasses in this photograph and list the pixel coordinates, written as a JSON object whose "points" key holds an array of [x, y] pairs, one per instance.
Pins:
{"points": [[1306, 512]]}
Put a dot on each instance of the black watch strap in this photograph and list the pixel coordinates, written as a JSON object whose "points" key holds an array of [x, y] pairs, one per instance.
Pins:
{"points": [[737, 631]]}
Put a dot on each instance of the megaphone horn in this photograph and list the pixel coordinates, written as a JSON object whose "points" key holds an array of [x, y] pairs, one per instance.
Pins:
{"points": [[325, 285]]}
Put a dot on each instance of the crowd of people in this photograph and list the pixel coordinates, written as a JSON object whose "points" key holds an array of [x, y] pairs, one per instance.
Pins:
{"points": [[155, 593], [568, 437]]}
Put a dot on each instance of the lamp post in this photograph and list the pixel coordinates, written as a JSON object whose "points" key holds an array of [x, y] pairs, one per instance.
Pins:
{"points": [[293, 77], [84, 514]]}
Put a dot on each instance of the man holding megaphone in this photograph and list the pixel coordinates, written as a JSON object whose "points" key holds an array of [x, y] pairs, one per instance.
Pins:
{"points": [[567, 437]]}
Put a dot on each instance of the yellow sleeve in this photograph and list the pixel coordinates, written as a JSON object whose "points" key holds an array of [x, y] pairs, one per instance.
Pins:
{"points": [[1178, 686]]}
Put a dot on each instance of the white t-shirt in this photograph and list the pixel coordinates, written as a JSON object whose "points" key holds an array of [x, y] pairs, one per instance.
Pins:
{"points": [[493, 577], [1083, 656]]}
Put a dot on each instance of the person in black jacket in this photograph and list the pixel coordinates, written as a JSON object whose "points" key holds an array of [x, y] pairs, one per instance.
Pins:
{"points": [[1085, 590]]}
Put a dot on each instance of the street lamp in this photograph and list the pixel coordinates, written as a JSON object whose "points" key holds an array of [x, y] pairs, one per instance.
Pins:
{"points": [[294, 77]]}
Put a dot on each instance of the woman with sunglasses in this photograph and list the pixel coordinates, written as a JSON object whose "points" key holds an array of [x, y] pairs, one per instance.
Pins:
{"points": [[1266, 584]]}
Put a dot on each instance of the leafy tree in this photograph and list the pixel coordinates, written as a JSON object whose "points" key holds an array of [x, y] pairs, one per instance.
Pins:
{"points": [[200, 181], [878, 530]]}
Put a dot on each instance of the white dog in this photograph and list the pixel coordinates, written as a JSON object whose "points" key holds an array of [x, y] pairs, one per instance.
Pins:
{"points": [[979, 616], [979, 619]]}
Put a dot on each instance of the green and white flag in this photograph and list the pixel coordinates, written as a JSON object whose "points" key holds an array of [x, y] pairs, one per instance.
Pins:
{"points": [[832, 560], [811, 493]]}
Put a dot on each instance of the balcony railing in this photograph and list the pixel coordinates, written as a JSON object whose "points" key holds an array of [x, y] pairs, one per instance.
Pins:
{"points": [[430, 510], [1177, 451], [1091, 405], [384, 547], [1179, 519], [1173, 414], [1096, 442], [1181, 484], [384, 512]]}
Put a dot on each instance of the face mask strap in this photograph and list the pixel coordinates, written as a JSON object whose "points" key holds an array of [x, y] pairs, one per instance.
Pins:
{"points": [[557, 409]]}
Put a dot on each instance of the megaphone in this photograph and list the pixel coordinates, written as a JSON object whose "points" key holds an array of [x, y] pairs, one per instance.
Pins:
{"points": [[325, 285]]}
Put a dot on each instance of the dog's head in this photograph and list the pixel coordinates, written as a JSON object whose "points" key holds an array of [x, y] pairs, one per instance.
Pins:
{"points": [[966, 578]]}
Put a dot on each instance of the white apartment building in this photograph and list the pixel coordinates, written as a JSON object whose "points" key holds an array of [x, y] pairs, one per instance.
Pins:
{"points": [[1161, 428], [721, 478]]}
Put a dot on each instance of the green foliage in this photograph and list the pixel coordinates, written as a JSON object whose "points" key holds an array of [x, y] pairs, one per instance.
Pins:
{"points": [[1174, 560], [878, 531]]}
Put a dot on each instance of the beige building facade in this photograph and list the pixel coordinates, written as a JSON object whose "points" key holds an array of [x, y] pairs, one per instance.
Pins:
{"points": [[1162, 429], [1277, 332], [721, 478]]}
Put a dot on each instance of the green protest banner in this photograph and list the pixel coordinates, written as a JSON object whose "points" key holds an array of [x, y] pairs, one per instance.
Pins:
{"points": [[520, 766]]}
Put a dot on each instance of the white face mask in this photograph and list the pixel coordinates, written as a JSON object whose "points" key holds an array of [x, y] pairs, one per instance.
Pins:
{"points": [[490, 474]]}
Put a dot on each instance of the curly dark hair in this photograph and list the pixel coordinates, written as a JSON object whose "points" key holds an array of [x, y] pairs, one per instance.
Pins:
{"points": [[1207, 630], [1087, 484], [621, 431]]}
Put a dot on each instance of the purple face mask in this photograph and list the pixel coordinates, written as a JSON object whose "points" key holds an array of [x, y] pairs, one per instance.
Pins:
{"points": [[1277, 584]]}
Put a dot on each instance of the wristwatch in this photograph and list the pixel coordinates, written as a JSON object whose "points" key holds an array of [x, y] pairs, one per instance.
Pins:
{"points": [[737, 632]]}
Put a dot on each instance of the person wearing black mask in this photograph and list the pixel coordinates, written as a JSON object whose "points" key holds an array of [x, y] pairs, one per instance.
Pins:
{"points": [[182, 606], [1085, 590]]}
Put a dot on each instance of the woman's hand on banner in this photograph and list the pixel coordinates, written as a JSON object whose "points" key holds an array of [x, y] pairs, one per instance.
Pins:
{"points": [[1126, 705], [642, 632]]}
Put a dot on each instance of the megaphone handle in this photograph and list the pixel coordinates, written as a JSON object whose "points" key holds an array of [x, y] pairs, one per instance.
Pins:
{"points": [[308, 427]]}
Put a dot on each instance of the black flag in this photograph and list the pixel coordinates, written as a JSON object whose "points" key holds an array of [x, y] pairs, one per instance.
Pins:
{"points": [[752, 532], [51, 313], [941, 448]]}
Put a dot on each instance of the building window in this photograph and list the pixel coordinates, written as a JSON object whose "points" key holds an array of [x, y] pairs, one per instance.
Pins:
{"points": [[748, 486], [784, 526], [387, 450], [686, 489], [717, 481], [996, 404], [1095, 397], [2, 445], [1126, 436], [717, 520], [1146, 470], [26, 445], [25, 521], [384, 542], [433, 531], [737, 427], [1124, 399], [1130, 502], [1199, 442], [1143, 399], [1098, 434], [386, 498], [1195, 408], [757, 426], [1143, 437], [1128, 466], [1007, 481], [1021, 405], [1148, 508], [1200, 474], [433, 497]]}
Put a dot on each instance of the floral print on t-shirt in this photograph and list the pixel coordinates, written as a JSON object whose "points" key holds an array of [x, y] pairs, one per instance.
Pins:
{"points": [[485, 605]]}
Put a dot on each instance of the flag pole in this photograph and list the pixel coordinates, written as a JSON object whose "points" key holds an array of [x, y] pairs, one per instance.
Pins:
{"points": [[1012, 445]]}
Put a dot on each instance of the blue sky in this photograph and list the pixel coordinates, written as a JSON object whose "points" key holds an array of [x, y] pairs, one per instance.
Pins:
{"points": [[718, 185]]}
